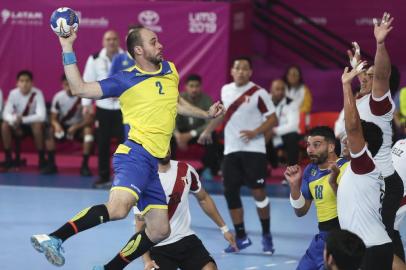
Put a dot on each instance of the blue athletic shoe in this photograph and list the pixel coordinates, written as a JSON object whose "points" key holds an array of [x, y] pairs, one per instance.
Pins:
{"points": [[50, 246], [267, 244], [99, 267], [241, 244]]}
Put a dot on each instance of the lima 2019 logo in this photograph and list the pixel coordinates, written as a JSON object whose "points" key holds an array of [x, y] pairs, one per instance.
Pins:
{"points": [[150, 20]]}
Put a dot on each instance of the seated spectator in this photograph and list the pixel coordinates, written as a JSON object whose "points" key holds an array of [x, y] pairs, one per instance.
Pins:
{"points": [[286, 134], [297, 90], [188, 129], [67, 122], [24, 114], [344, 250]]}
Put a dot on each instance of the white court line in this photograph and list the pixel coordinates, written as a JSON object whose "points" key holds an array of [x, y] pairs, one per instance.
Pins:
{"points": [[291, 262], [251, 268], [270, 264]]}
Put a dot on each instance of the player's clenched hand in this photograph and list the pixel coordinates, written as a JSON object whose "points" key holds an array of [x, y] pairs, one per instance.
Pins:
{"points": [[247, 135], [67, 43], [149, 265], [216, 110], [230, 239], [382, 28], [205, 138], [348, 76], [294, 175]]}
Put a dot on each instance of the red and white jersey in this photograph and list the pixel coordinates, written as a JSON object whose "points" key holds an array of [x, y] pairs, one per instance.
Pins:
{"points": [[177, 182], [247, 106], [380, 112], [399, 160], [31, 107], [68, 108], [359, 199]]}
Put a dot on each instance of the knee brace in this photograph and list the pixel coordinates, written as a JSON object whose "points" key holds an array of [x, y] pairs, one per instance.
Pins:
{"points": [[233, 198], [262, 204], [88, 138]]}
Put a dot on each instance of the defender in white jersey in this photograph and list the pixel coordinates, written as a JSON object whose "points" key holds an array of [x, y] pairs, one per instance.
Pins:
{"points": [[399, 162], [68, 122], [250, 114], [361, 190], [377, 106], [24, 114], [182, 249]]}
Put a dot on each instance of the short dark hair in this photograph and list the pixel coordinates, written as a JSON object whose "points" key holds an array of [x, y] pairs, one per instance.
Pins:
{"points": [[134, 38], [243, 58], [373, 135], [194, 77], [25, 73], [346, 248], [323, 131], [285, 76]]}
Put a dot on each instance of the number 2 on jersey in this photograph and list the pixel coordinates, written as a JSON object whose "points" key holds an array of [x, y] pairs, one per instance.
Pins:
{"points": [[159, 85]]}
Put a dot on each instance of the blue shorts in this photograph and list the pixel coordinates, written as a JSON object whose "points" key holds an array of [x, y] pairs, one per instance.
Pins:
{"points": [[136, 171], [314, 259]]}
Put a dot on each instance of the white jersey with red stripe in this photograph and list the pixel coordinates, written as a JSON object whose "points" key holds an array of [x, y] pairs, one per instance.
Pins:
{"points": [[380, 112], [177, 182], [359, 199], [399, 160], [68, 108], [247, 106]]}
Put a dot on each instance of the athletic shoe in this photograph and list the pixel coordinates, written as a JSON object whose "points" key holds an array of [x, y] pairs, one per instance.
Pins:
{"points": [[267, 244], [241, 244], [98, 267], [49, 169], [50, 246], [85, 171]]}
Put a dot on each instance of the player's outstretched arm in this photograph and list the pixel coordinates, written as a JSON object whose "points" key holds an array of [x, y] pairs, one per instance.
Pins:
{"points": [[187, 109], [294, 176], [76, 83], [382, 61], [205, 136], [209, 207], [353, 127]]}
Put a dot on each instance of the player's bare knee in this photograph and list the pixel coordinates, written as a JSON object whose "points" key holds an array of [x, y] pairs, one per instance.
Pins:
{"points": [[118, 209], [159, 232]]}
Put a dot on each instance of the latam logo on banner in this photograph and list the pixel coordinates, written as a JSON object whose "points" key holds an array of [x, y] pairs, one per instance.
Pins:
{"points": [[202, 22], [150, 20], [88, 22], [21, 17]]}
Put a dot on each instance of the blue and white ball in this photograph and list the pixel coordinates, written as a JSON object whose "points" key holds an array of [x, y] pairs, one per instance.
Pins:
{"points": [[62, 20]]}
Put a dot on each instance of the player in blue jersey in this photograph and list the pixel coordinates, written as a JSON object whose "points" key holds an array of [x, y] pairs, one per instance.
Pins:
{"points": [[149, 98], [319, 184]]}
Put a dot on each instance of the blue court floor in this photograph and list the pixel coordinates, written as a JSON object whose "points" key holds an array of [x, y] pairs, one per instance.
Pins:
{"points": [[31, 210]]}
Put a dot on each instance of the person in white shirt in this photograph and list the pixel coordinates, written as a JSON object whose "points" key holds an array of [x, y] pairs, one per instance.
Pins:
{"points": [[24, 114], [182, 249], [250, 114], [67, 122], [109, 122], [399, 162], [286, 134], [361, 189], [375, 105]]}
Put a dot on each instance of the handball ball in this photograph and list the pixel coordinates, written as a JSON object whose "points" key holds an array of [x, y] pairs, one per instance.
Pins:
{"points": [[62, 20]]}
